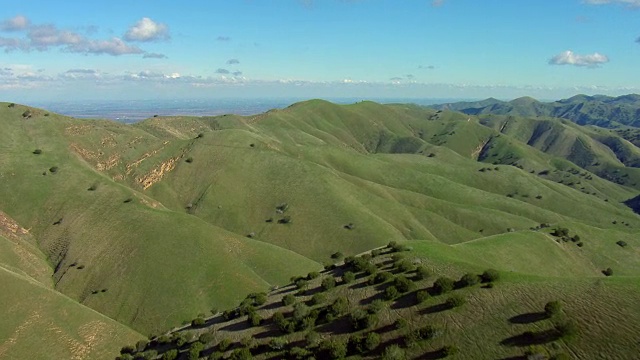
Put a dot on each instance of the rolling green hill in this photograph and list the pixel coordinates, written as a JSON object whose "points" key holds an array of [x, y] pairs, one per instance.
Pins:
{"points": [[604, 111], [153, 223]]}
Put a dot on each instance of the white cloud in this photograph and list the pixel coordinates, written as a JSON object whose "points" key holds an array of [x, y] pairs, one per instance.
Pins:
{"points": [[147, 30], [16, 23], [154, 56], [630, 3], [570, 58], [114, 46]]}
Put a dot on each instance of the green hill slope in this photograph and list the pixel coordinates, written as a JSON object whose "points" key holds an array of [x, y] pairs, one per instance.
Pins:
{"points": [[153, 223]]}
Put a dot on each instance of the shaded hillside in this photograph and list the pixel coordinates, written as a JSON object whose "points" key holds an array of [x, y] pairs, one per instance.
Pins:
{"points": [[483, 299], [604, 111]]}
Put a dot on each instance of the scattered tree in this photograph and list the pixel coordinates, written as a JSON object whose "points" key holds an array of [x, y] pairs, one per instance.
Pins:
{"points": [[443, 285], [490, 275], [328, 283], [348, 277], [422, 296], [455, 301], [469, 279], [391, 293]]}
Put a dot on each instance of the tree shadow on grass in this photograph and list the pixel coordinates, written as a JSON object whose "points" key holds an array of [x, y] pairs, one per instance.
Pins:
{"points": [[271, 332], [528, 318], [284, 290], [405, 301], [531, 338], [237, 326], [337, 327], [370, 299], [435, 309], [385, 329], [432, 355]]}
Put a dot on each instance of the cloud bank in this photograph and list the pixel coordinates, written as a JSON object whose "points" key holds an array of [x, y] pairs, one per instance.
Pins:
{"points": [[147, 30], [44, 37], [570, 58]]}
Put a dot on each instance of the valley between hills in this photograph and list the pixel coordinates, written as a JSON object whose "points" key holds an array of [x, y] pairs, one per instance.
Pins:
{"points": [[478, 230]]}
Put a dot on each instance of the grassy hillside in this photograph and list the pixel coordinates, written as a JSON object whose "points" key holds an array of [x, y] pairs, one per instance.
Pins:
{"points": [[153, 223], [503, 319]]}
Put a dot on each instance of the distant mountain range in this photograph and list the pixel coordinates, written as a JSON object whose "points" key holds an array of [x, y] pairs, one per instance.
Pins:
{"points": [[604, 111]]}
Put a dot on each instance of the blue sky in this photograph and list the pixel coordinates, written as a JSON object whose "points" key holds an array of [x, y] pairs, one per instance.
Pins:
{"points": [[156, 49]]}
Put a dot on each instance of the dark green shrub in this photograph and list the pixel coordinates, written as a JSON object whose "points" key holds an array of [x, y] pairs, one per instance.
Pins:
{"points": [[313, 275], [53, 169], [141, 345], [469, 279], [260, 299], [312, 338], [216, 355], [37, 151], [370, 269], [376, 306], [12, 105], [348, 277], [372, 341], [299, 353], [254, 319], [393, 352], [455, 301], [278, 343], [336, 349], [422, 296], [300, 311], [391, 293], [361, 320], [179, 339], [170, 355], [148, 355], [163, 339], [339, 306], [403, 284], [328, 283], [382, 277], [607, 271], [552, 308], [277, 318], [302, 284], [189, 160], [127, 349], [288, 300], [27, 114], [198, 321], [93, 187], [400, 324], [404, 265], [376, 252], [443, 285], [490, 275], [422, 272], [318, 299], [224, 344], [337, 255], [621, 243], [194, 350], [241, 354]]}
